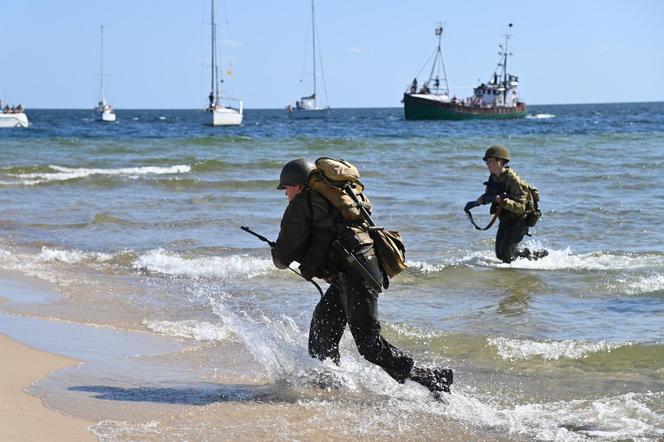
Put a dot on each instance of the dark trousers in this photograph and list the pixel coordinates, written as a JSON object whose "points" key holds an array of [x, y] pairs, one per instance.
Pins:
{"points": [[510, 233], [349, 301]]}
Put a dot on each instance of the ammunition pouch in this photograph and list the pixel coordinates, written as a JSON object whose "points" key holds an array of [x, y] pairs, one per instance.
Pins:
{"points": [[532, 217]]}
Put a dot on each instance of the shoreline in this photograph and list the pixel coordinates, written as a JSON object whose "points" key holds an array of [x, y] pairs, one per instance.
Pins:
{"points": [[23, 416]]}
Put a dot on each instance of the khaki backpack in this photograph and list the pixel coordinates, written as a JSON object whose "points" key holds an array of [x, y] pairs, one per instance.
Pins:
{"points": [[338, 181]]}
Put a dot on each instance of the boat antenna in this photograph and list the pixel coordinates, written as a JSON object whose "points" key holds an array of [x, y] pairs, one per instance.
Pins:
{"points": [[439, 56]]}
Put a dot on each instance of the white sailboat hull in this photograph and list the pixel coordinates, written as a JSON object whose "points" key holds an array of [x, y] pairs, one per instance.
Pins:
{"points": [[226, 117], [308, 114], [108, 117], [14, 120]]}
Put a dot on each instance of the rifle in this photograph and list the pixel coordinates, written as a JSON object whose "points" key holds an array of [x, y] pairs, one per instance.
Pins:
{"points": [[272, 245]]}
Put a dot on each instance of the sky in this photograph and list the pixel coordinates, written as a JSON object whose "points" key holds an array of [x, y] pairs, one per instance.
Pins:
{"points": [[157, 52]]}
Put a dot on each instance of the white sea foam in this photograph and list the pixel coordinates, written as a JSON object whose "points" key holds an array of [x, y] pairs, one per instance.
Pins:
{"points": [[513, 349], [198, 330], [540, 116], [635, 286], [278, 345], [567, 260], [72, 256], [626, 416], [425, 267], [232, 266], [62, 173]]}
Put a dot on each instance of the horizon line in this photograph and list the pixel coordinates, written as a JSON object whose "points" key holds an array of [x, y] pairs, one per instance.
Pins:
{"points": [[332, 108]]}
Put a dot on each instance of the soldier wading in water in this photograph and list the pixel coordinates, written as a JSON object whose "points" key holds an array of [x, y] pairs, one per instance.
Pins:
{"points": [[312, 233], [515, 203]]}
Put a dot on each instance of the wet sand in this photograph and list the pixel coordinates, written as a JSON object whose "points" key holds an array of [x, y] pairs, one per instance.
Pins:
{"points": [[22, 416]]}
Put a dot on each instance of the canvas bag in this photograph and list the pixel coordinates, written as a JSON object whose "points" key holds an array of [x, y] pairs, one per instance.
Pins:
{"points": [[330, 178]]}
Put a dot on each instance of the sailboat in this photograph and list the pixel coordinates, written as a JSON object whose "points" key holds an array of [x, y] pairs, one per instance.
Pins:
{"points": [[221, 115], [307, 107], [497, 99], [103, 111]]}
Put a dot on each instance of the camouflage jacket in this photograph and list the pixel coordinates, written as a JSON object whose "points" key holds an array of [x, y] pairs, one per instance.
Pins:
{"points": [[519, 200]]}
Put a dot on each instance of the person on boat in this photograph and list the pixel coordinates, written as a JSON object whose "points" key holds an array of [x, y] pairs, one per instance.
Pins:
{"points": [[413, 86], [511, 198], [311, 229]]}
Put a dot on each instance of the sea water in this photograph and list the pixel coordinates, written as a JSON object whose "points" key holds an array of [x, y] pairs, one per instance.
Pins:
{"points": [[137, 224]]}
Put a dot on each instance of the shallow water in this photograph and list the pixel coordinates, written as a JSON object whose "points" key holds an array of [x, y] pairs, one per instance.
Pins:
{"points": [[137, 225]]}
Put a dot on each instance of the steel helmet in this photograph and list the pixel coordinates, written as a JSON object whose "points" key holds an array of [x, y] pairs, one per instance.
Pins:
{"points": [[497, 151], [295, 172]]}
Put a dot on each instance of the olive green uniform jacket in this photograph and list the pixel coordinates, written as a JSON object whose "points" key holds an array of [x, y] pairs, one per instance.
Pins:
{"points": [[307, 232], [519, 201]]}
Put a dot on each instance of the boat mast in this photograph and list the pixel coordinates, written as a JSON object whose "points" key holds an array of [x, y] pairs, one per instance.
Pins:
{"points": [[505, 53], [214, 87], [103, 89], [313, 33], [439, 54]]}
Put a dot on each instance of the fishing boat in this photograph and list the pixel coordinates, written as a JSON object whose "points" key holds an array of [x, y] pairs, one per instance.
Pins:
{"points": [[222, 115], [496, 99], [103, 111], [307, 107]]}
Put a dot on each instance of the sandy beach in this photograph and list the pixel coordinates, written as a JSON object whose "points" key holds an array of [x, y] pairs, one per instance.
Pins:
{"points": [[24, 417]]}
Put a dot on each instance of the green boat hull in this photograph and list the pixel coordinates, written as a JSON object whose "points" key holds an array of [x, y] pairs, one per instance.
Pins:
{"points": [[418, 108]]}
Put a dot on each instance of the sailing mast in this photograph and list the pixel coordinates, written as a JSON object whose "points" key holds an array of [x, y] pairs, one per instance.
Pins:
{"points": [[313, 33], [214, 86], [103, 88]]}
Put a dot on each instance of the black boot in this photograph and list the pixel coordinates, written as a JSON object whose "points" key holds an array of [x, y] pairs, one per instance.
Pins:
{"points": [[531, 255], [435, 379]]}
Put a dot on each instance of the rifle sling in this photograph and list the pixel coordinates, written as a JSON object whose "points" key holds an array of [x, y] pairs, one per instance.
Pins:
{"points": [[488, 226]]}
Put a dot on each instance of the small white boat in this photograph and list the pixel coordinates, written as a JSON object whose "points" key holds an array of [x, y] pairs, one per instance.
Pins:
{"points": [[222, 115], [307, 107], [17, 119], [103, 111]]}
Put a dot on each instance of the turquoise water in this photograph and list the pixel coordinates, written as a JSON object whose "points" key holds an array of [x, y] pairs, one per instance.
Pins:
{"points": [[138, 224]]}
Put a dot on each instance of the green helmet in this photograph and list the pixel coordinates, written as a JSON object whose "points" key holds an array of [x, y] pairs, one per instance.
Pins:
{"points": [[497, 151], [295, 172]]}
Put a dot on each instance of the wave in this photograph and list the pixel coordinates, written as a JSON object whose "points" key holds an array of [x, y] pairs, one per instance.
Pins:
{"points": [[640, 285], [56, 173], [567, 260], [540, 116], [192, 329], [220, 165], [514, 349], [623, 417], [72, 256], [104, 218], [161, 261]]}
